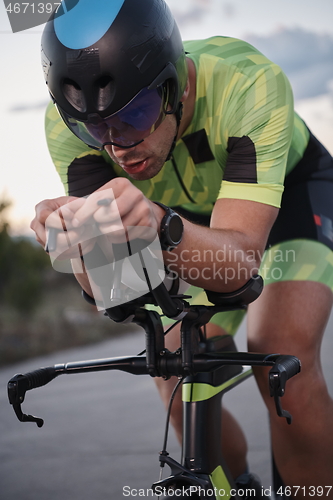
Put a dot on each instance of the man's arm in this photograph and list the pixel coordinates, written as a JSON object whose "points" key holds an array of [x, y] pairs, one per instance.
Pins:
{"points": [[223, 257], [220, 258]]}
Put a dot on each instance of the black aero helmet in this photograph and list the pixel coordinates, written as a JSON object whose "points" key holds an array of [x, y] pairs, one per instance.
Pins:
{"points": [[114, 68]]}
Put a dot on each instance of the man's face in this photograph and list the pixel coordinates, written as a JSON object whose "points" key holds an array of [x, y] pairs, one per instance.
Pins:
{"points": [[145, 160]]}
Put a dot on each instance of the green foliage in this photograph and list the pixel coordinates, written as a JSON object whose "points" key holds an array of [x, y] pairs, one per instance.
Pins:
{"points": [[22, 268]]}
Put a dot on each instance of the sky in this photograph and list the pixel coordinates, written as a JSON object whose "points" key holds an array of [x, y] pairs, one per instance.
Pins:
{"points": [[295, 34]]}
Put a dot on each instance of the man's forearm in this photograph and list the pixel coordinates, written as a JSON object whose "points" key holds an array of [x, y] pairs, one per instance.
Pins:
{"points": [[216, 259]]}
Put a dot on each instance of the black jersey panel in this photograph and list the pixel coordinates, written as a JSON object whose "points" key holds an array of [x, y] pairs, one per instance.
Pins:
{"points": [[86, 175], [295, 219], [316, 163], [241, 164], [307, 203], [306, 213], [198, 146]]}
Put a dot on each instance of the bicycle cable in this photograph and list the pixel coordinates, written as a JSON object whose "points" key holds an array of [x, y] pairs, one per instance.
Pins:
{"points": [[167, 423]]}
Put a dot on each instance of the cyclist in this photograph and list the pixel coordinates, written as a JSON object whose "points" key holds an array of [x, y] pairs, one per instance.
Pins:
{"points": [[208, 128]]}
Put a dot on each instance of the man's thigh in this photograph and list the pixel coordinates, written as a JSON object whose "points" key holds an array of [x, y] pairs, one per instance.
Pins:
{"points": [[290, 317]]}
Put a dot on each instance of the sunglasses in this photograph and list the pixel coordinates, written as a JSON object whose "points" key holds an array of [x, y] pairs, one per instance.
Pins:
{"points": [[127, 127]]}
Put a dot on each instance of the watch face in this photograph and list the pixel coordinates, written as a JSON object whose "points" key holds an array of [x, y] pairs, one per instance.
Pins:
{"points": [[175, 229]]}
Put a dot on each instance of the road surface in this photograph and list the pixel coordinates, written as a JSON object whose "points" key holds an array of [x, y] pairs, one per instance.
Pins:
{"points": [[103, 431]]}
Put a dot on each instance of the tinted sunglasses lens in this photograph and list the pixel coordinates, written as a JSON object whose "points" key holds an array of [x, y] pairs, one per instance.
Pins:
{"points": [[143, 111], [126, 128], [137, 120]]}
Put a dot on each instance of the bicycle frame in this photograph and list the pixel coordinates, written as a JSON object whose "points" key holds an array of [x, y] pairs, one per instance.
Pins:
{"points": [[201, 451], [209, 368]]}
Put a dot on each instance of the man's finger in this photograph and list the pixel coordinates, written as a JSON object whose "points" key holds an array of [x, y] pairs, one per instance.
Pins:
{"points": [[101, 206]]}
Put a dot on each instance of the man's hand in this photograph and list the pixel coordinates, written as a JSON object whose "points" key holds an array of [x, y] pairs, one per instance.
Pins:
{"points": [[43, 210], [121, 211], [116, 213], [118, 210]]}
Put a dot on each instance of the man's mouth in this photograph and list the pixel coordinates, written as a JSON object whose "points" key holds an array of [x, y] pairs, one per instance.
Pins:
{"points": [[134, 167]]}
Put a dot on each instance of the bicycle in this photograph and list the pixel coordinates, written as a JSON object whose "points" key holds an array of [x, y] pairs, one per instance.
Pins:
{"points": [[206, 369]]}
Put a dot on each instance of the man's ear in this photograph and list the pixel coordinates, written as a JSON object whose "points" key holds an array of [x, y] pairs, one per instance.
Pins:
{"points": [[186, 91]]}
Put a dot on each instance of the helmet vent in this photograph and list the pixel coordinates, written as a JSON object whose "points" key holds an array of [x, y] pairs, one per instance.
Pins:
{"points": [[105, 92], [74, 95]]}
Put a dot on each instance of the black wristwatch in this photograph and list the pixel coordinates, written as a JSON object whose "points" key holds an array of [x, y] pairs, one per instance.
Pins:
{"points": [[171, 229]]}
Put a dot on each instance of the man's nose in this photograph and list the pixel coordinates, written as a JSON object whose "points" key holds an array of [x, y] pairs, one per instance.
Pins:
{"points": [[118, 151]]}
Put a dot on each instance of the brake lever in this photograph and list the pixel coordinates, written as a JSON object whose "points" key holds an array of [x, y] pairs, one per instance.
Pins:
{"points": [[17, 387], [285, 367], [277, 389]]}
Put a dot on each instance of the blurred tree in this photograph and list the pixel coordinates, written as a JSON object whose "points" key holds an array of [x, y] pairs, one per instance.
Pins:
{"points": [[22, 266], [41, 310]]}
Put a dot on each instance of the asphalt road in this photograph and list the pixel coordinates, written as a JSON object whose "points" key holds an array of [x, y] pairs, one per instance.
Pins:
{"points": [[103, 431]]}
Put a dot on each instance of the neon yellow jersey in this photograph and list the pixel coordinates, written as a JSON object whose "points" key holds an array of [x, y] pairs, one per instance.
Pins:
{"points": [[242, 141]]}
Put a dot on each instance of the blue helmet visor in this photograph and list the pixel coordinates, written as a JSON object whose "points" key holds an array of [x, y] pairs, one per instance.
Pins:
{"points": [[127, 127]]}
